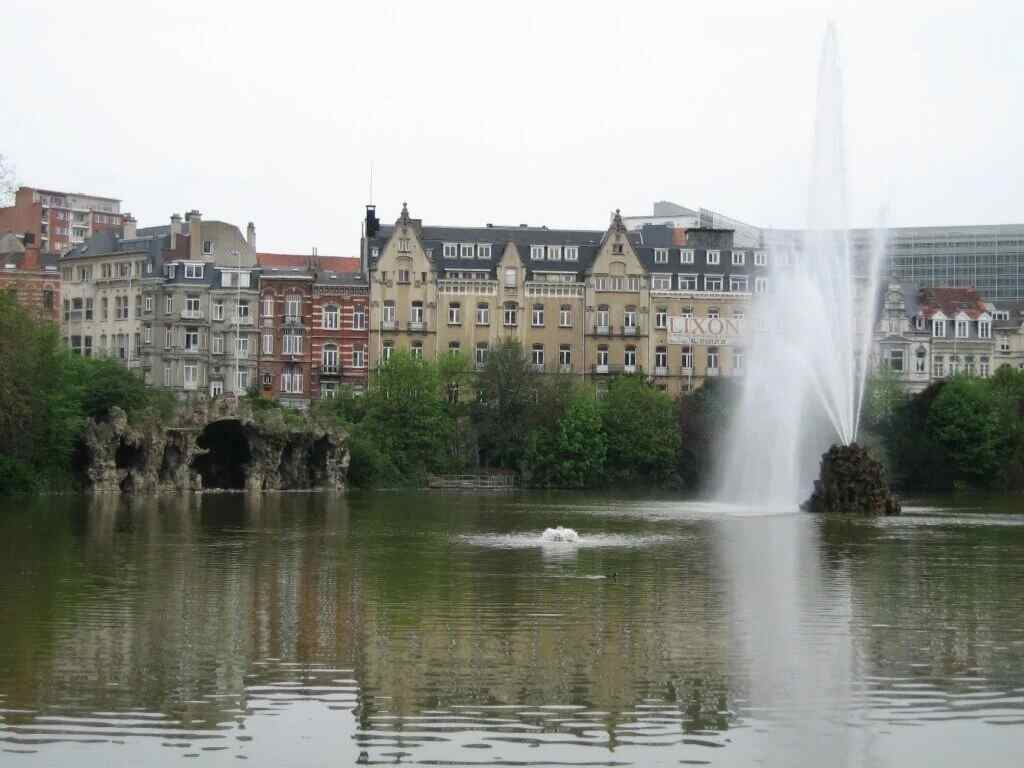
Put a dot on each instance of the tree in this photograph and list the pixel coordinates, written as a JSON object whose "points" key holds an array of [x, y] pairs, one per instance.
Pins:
{"points": [[965, 420], [506, 388], [551, 400], [703, 424], [883, 397], [582, 444], [642, 432], [7, 183]]}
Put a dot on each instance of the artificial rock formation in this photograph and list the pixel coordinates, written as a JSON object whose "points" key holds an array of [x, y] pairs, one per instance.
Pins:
{"points": [[851, 481], [217, 445]]}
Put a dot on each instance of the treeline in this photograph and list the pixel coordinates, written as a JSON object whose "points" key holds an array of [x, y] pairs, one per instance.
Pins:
{"points": [[47, 394], [420, 417], [965, 432]]}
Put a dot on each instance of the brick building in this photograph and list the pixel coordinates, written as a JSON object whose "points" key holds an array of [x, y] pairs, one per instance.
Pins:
{"points": [[313, 326], [58, 221], [30, 277]]}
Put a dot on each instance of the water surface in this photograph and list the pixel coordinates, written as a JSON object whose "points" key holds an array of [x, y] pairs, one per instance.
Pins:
{"points": [[443, 630]]}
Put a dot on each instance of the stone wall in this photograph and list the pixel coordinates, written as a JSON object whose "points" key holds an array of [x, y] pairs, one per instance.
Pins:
{"points": [[217, 445]]}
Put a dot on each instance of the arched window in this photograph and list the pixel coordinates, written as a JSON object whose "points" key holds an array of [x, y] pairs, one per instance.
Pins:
{"points": [[330, 358]]}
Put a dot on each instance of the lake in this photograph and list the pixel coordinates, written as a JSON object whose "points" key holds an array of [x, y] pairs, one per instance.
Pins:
{"points": [[423, 629]]}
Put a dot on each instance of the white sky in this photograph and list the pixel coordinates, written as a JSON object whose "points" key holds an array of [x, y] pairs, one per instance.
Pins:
{"points": [[546, 113]]}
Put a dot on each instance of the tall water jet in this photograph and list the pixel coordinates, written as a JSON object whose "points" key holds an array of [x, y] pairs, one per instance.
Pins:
{"points": [[811, 330]]}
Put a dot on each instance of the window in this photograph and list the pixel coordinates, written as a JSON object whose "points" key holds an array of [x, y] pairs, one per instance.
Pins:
{"points": [[538, 316], [554, 253], [984, 329], [510, 311], [713, 283], [536, 252], [739, 258], [602, 356], [88, 308], [359, 317], [466, 250], [454, 313], [572, 253], [243, 346], [192, 306], [510, 277], [617, 249], [1004, 344], [191, 339], [268, 380], [359, 357], [387, 350], [661, 255], [687, 282], [712, 359], [403, 276], [737, 360], [565, 316], [207, 247], [169, 305], [389, 314], [242, 311], [191, 373], [961, 329], [121, 307], [147, 334], [416, 350], [686, 256], [629, 319], [969, 365], [661, 282], [293, 309], [168, 338], [714, 257], [169, 271], [760, 259], [661, 359], [661, 317], [537, 355], [895, 360], [602, 318], [292, 344], [291, 382], [629, 359], [268, 306], [483, 250], [483, 313], [920, 361], [404, 245], [216, 388], [760, 285], [147, 304], [919, 322], [565, 357], [195, 270], [168, 376], [331, 318], [480, 354], [416, 313], [939, 329], [713, 313], [738, 283], [983, 366]]}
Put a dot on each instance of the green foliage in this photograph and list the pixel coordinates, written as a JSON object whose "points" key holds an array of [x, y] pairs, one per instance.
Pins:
{"points": [[965, 420], [883, 397], [640, 425], [703, 423], [506, 388], [582, 444]]}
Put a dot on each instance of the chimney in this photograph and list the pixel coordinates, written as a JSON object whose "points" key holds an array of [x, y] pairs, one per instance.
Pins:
{"points": [[195, 234], [250, 236], [128, 227], [175, 228]]}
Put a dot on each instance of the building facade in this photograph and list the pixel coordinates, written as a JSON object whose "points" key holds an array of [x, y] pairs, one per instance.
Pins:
{"points": [[57, 221], [590, 303], [30, 277]]}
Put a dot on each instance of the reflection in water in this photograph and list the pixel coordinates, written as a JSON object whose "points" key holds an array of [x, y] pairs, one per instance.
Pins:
{"points": [[308, 629]]}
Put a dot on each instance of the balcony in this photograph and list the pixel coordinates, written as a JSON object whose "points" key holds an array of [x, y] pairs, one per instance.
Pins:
{"points": [[616, 369], [292, 319], [711, 372], [601, 369], [388, 325], [330, 369], [537, 367], [602, 330], [629, 369], [191, 314], [236, 320], [629, 330], [661, 370], [417, 325]]}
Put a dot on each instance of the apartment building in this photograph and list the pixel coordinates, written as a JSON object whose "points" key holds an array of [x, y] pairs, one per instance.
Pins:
{"points": [[31, 278], [929, 334], [592, 303], [313, 327], [57, 220], [199, 331]]}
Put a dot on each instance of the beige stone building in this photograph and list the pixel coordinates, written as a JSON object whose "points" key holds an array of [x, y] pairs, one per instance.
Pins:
{"points": [[590, 303]]}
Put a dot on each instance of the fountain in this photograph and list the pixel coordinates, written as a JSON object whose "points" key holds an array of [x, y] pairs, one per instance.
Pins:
{"points": [[560, 535], [810, 343]]}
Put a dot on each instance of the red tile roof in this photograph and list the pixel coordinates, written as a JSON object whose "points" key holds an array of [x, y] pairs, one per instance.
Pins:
{"points": [[307, 261], [952, 301]]}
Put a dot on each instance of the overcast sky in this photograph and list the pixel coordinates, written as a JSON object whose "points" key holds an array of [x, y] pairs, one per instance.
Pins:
{"points": [[545, 113]]}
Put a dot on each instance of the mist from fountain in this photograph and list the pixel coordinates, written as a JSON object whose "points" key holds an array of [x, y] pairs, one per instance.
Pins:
{"points": [[809, 342]]}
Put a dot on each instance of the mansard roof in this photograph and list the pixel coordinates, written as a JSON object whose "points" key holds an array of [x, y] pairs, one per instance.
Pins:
{"points": [[108, 242], [952, 301]]}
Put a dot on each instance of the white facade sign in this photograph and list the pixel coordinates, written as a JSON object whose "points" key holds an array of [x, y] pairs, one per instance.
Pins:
{"points": [[704, 331]]}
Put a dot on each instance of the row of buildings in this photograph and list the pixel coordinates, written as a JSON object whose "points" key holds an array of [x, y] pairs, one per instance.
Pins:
{"points": [[196, 308]]}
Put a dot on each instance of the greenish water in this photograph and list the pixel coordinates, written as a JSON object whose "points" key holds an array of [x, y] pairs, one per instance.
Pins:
{"points": [[315, 630]]}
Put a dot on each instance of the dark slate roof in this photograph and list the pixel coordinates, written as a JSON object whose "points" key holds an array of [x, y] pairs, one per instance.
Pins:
{"points": [[332, 277], [109, 242]]}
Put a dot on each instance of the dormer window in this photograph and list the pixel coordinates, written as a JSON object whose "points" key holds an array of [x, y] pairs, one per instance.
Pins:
{"points": [[451, 251], [207, 247], [572, 253], [466, 250], [537, 252], [714, 257], [739, 258], [939, 328], [483, 251], [194, 270], [661, 255], [404, 245], [984, 328], [760, 259], [919, 322], [686, 256], [617, 249], [374, 252], [169, 271], [962, 328], [554, 253]]}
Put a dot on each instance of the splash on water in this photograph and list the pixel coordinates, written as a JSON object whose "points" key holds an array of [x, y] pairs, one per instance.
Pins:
{"points": [[560, 535], [809, 344]]}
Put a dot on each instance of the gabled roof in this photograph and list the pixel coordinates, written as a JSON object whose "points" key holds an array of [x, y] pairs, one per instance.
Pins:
{"points": [[952, 301]]}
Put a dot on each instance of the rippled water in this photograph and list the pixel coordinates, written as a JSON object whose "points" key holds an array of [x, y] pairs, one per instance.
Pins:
{"points": [[432, 630]]}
